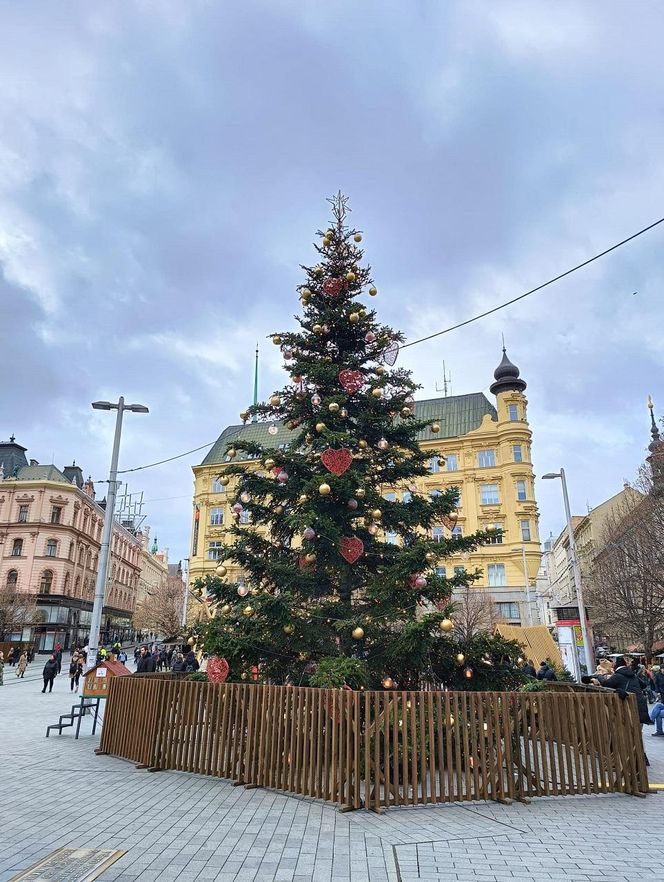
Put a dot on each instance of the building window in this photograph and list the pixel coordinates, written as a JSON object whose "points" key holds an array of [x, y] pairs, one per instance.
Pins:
{"points": [[390, 497], [434, 465], [457, 531], [521, 491], [486, 459], [46, 582], [437, 534], [459, 571], [489, 494], [67, 588], [12, 578], [495, 534], [51, 548], [71, 551], [433, 494], [525, 531], [215, 550], [56, 514], [517, 453], [17, 548], [509, 611], [244, 516], [513, 412], [496, 574], [452, 462], [216, 517], [23, 514], [441, 572], [406, 496], [217, 486], [391, 537]]}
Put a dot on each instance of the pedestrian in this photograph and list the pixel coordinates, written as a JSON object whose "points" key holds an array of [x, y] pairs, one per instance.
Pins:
{"points": [[545, 672], [22, 665], [528, 669], [604, 668], [145, 663], [191, 662], [50, 672], [657, 717], [10, 656], [58, 656], [625, 682], [31, 654], [2, 667], [658, 680], [178, 664], [75, 671]]}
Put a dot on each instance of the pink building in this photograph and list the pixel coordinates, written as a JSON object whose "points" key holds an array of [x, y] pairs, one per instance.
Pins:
{"points": [[50, 537]]}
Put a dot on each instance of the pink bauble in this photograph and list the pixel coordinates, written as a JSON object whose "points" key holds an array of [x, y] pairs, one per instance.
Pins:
{"points": [[282, 477], [309, 534]]}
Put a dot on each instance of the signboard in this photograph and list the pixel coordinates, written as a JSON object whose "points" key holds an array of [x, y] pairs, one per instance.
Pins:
{"points": [[72, 864]]}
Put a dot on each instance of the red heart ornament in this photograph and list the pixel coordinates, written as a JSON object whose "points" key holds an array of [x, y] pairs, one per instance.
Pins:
{"points": [[332, 286], [337, 461], [391, 353], [351, 548], [351, 380], [217, 669]]}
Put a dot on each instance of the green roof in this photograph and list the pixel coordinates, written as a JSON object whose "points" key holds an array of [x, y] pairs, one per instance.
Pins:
{"points": [[457, 415], [41, 473]]}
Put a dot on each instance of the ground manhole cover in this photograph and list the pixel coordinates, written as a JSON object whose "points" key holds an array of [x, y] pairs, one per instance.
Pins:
{"points": [[70, 865]]}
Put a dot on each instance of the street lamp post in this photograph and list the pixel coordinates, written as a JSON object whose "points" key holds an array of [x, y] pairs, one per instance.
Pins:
{"points": [[102, 572], [576, 572]]}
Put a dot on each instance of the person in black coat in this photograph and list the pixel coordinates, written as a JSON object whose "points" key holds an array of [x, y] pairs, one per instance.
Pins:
{"points": [[528, 670], [49, 673], [190, 662], [658, 681], [625, 681], [145, 663]]}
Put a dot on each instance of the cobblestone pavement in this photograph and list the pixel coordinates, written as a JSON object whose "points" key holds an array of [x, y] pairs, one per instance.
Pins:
{"points": [[57, 793]]}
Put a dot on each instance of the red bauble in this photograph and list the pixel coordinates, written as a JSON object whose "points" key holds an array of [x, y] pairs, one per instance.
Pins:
{"points": [[337, 461], [333, 287], [217, 669], [351, 548], [352, 381]]}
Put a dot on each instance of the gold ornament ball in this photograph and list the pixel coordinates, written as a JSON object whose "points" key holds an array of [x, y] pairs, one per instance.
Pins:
{"points": [[358, 237], [324, 489], [191, 641], [446, 625], [320, 427], [310, 558], [430, 556], [376, 514], [221, 570], [279, 510], [358, 633], [288, 629], [460, 658], [269, 463], [243, 675], [226, 608], [329, 233], [405, 412], [275, 401], [435, 428], [354, 318], [248, 611], [244, 415], [303, 498], [350, 276], [231, 453], [377, 392], [362, 444], [276, 340], [305, 292], [360, 493], [318, 270], [327, 358], [333, 407], [388, 683], [380, 370], [373, 291], [363, 313], [224, 481], [317, 329], [308, 437], [326, 241]]}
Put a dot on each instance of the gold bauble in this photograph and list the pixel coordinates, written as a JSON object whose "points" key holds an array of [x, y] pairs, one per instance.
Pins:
{"points": [[279, 510], [376, 514], [276, 340], [226, 608], [320, 427], [318, 270], [333, 407], [354, 318], [231, 453], [275, 401], [308, 437], [310, 558], [460, 658], [360, 493], [244, 415], [435, 428], [303, 498], [327, 359], [248, 611], [324, 489], [191, 641], [358, 237], [405, 412], [446, 625], [224, 481], [377, 392], [305, 292], [221, 570], [288, 629], [373, 291], [269, 463], [326, 242], [380, 370], [388, 683], [358, 633], [350, 276], [362, 444], [430, 556], [329, 233], [363, 313], [243, 675], [317, 329]]}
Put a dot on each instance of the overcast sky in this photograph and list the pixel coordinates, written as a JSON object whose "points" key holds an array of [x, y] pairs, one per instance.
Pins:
{"points": [[164, 166]]}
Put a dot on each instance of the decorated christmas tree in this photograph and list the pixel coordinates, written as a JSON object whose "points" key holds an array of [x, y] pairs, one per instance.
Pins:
{"points": [[341, 584]]}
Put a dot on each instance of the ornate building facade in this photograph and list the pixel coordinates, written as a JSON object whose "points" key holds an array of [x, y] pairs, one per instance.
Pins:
{"points": [[50, 538], [483, 449]]}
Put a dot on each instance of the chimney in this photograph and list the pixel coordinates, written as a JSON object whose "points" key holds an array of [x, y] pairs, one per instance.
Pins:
{"points": [[33, 462]]}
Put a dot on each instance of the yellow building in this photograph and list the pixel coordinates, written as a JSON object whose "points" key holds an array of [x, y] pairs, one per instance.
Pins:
{"points": [[484, 452]]}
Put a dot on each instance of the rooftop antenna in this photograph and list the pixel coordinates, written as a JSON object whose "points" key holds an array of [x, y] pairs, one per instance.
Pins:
{"points": [[254, 417], [447, 383]]}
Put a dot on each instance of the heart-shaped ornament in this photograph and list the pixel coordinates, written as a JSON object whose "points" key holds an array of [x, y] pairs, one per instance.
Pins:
{"points": [[351, 548], [351, 380], [217, 669], [337, 461], [332, 286], [391, 353]]}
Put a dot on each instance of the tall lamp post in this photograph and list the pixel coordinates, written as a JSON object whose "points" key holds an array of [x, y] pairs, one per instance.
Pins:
{"points": [[100, 585], [576, 573]]}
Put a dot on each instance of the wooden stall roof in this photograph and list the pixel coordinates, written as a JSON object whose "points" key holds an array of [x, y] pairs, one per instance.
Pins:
{"points": [[116, 668], [537, 642]]}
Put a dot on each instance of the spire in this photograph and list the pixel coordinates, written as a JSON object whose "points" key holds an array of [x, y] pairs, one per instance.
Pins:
{"points": [[155, 546], [254, 418], [654, 431], [656, 448], [507, 377]]}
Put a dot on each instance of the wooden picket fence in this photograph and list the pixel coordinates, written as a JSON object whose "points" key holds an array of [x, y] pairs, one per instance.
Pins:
{"points": [[378, 749]]}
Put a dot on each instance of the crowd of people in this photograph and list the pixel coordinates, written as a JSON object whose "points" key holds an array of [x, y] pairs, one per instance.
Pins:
{"points": [[170, 658]]}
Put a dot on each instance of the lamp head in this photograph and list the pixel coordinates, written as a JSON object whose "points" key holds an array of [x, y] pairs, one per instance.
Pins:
{"points": [[137, 408], [550, 475], [103, 405]]}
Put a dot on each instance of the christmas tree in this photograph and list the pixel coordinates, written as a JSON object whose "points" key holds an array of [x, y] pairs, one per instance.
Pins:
{"points": [[341, 584]]}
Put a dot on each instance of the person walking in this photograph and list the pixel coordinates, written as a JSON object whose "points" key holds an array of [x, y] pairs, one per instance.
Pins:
{"points": [[50, 672], [58, 656], [2, 667], [22, 665], [75, 671]]}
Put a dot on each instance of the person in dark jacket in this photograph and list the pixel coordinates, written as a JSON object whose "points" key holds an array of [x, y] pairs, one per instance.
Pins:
{"points": [[145, 663], [528, 670], [49, 673], [178, 663], [625, 681], [545, 672], [190, 662], [658, 680]]}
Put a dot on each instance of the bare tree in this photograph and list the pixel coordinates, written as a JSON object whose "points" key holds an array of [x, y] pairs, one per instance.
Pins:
{"points": [[161, 610], [475, 612], [18, 610], [626, 580]]}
